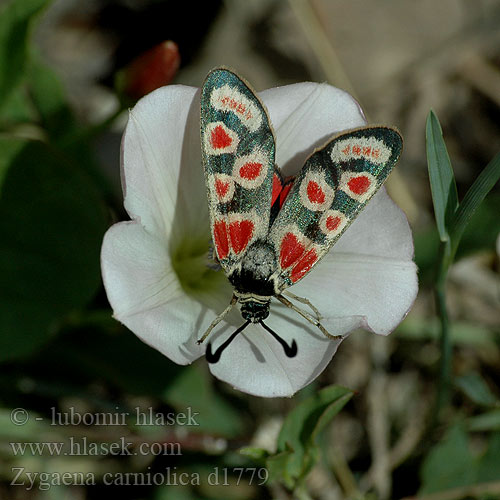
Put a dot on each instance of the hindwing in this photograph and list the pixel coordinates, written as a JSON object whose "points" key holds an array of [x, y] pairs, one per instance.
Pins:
{"points": [[335, 184], [238, 151]]}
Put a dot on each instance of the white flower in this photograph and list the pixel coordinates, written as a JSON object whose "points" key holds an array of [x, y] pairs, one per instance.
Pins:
{"points": [[155, 266]]}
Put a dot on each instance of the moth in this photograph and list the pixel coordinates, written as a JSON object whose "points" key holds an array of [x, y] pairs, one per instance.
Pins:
{"points": [[269, 232]]}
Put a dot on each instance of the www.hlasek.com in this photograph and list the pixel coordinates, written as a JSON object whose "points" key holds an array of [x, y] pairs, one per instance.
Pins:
{"points": [[219, 476], [83, 447]]}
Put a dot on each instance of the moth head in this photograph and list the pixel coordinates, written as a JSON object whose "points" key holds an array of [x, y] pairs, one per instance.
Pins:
{"points": [[255, 311]]}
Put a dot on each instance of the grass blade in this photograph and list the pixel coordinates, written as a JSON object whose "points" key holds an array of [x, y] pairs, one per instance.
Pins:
{"points": [[442, 180], [475, 195]]}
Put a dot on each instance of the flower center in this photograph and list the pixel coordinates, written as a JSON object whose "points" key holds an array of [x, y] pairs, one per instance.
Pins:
{"points": [[190, 263]]}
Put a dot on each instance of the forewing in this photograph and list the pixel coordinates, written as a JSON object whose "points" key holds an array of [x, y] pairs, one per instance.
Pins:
{"points": [[332, 188], [238, 152]]}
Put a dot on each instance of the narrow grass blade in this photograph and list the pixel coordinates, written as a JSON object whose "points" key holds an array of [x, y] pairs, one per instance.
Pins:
{"points": [[442, 180]]}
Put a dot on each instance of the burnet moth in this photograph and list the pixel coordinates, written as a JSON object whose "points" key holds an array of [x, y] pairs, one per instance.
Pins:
{"points": [[269, 232]]}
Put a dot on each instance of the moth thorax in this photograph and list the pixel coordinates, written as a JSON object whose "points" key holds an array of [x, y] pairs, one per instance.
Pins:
{"points": [[254, 310], [259, 261]]}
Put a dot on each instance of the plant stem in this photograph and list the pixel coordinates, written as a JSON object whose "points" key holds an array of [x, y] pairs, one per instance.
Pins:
{"points": [[444, 388]]}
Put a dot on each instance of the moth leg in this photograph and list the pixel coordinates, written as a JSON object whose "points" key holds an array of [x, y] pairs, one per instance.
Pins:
{"points": [[218, 319], [305, 301], [309, 318]]}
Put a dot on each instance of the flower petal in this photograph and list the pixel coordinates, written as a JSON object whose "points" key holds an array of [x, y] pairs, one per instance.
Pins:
{"points": [[256, 363], [305, 116], [146, 294], [162, 176], [368, 273]]}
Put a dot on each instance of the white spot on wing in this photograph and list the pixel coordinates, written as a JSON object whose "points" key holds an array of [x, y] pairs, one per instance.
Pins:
{"points": [[355, 148], [227, 98]]}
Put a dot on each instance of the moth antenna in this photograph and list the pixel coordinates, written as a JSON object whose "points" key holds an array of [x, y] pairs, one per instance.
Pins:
{"points": [[290, 350], [309, 318], [213, 357]]}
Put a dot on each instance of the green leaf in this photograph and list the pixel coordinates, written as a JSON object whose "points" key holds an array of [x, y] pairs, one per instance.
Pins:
{"points": [[15, 19], [489, 466], [488, 421], [16, 109], [193, 388], [52, 221], [475, 195], [449, 464], [476, 389], [49, 99], [279, 469], [442, 179], [254, 452], [297, 447]]}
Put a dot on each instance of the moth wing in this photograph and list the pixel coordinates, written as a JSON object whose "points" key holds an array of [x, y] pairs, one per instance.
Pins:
{"points": [[238, 151], [335, 184]]}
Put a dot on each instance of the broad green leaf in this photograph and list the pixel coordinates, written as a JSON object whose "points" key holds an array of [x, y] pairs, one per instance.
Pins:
{"points": [[193, 388], [489, 465], [297, 446], [15, 19], [16, 109], [307, 419], [475, 195], [9, 149], [442, 179], [489, 421], [52, 221], [476, 389], [63, 363], [449, 464], [279, 469], [49, 100], [254, 452]]}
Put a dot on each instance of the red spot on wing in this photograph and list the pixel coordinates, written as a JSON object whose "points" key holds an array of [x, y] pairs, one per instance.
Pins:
{"points": [[220, 239], [291, 250], [250, 170], [304, 265], [359, 185], [219, 138], [240, 233], [332, 223], [221, 188], [315, 193]]}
